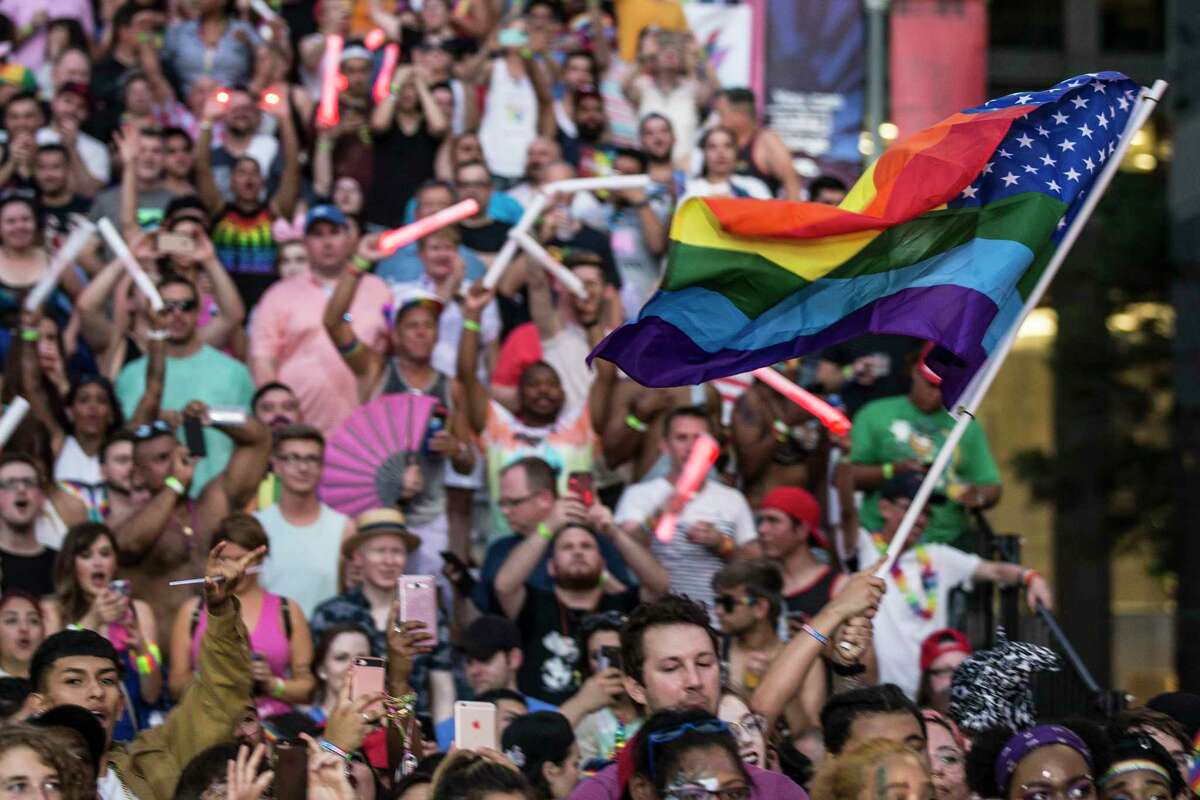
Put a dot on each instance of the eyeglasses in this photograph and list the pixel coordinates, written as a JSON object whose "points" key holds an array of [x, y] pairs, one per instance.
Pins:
{"points": [[186, 306], [728, 604], [473, 184], [297, 460], [51, 787], [749, 726], [16, 484], [512, 502], [659, 738], [150, 430], [1075, 790], [696, 791]]}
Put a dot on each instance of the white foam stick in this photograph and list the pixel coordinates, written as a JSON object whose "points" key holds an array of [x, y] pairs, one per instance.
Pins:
{"points": [[551, 265], [65, 257], [263, 10], [218, 578], [611, 182], [121, 251], [13, 415], [509, 250]]}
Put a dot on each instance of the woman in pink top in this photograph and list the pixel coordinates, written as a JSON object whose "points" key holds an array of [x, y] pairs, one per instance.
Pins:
{"points": [[280, 640]]}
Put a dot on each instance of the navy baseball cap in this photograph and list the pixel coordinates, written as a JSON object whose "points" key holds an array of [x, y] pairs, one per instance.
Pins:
{"points": [[324, 213], [906, 485]]}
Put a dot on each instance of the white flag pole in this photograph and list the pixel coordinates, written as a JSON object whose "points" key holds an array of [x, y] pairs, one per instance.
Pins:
{"points": [[978, 386]]}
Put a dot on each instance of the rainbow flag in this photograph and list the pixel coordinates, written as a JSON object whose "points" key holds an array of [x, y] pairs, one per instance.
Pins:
{"points": [[941, 239]]}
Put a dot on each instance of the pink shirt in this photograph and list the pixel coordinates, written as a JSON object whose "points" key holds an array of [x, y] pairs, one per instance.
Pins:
{"points": [[22, 12], [288, 330]]}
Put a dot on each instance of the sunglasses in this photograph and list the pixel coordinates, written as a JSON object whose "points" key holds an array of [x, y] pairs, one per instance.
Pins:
{"points": [[186, 306], [728, 604], [659, 738], [150, 430]]}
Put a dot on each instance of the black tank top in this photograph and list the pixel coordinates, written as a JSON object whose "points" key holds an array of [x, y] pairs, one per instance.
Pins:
{"points": [[746, 166], [805, 603]]}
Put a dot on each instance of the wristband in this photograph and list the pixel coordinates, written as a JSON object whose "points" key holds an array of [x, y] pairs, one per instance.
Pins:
{"points": [[146, 665], [848, 371], [782, 431], [889, 470], [1028, 576], [175, 485], [277, 688], [359, 263], [472, 325], [635, 424], [324, 145], [603, 578], [30, 334], [157, 336], [349, 349], [816, 634], [544, 531], [329, 746]]}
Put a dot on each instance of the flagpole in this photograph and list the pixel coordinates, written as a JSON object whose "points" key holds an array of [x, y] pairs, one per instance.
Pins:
{"points": [[982, 381]]}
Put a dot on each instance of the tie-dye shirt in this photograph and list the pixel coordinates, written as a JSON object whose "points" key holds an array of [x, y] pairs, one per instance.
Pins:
{"points": [[244, 241]]}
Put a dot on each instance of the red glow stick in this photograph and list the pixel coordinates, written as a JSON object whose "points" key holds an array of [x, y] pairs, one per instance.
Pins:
{"points": [[924, 369], [826, 414], [691, 477], [375, 39], [391, 241], [383, 81], [327, 111]]}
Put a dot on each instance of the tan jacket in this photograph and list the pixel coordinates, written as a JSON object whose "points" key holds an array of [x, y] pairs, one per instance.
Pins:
{"points": [[149, 766]]}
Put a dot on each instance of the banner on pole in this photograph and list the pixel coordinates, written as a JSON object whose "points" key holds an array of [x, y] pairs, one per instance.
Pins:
{"points": [[938, 60], [816, 76]]}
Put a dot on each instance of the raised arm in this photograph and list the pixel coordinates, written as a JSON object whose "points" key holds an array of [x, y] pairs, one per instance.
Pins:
{"points": [[435, 121], [384, 114], [140, 531], [546, 124], [24, 349], [206, 181], [247, 464], [96, 327], [129, 144], [156, 374], [284, 202], [474, 393], [229, 300], [654, 580], [541, 302], [365, 362], [515, 572]]}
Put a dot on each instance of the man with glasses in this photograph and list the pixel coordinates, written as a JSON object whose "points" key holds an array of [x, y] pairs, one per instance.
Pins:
{"points": [[26, 564], [195, 371], [305, 535]]}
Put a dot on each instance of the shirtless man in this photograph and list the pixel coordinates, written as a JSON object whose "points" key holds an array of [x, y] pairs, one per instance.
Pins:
{"points": [[168, 538], [761, 153]]}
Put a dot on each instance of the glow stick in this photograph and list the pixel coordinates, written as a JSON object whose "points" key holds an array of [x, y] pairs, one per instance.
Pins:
{"points": [[393, 240], [509, 250], [121, 251], [65, 257], [691, 477], [826, 414], [264, 10], [924, 369], [383, 81], [550, 264], [374, 39], [13, 415], [217, 578], [327, 111], [611, 182]]}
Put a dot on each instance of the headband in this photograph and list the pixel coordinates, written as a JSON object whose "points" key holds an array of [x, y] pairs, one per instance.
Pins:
{"points": [[1133, 765], [1025, 742]]}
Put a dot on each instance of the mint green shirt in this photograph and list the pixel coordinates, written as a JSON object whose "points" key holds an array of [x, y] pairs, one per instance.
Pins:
{"points": [[892, 429], [208, 375]]}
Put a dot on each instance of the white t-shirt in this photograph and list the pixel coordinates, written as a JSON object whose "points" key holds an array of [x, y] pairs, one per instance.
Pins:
{"points": [[899, 630], [92, 152], [567, 352], [691, 566]]}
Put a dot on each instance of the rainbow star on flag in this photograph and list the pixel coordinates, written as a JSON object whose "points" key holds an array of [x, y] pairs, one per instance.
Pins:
{"points": [[941, 239]]}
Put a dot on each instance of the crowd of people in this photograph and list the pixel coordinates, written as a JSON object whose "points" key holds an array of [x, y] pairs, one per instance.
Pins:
{"points": [[219, 441]]}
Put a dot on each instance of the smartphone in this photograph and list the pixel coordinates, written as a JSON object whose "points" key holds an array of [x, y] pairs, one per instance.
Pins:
{"points": [[367, 678], [453, 560], [512, 37], [437, 422], [121, 587], [475, 725], [226, 415], [610, 656], [176, 243], [291, 770], [193, 436], [582, 484], [418, 602]]}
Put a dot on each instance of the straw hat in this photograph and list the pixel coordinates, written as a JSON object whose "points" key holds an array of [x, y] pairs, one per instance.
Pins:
{"points": [[379, 522]]}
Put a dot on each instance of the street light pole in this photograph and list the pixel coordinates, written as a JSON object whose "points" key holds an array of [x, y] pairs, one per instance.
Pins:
{"points": [[876, 72]]}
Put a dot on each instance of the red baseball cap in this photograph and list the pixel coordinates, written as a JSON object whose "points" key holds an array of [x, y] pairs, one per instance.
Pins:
{"points": [[799, 505], [940, 642]]}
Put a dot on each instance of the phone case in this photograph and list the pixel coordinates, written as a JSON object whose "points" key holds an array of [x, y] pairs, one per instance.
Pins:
{"points": [[193, 434], [291, 771], [475, 725], [367, 678], [418, 601]]}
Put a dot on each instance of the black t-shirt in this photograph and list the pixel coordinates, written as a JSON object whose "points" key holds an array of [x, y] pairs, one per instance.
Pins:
{"points": [[550, 631], [888, 355], [108, 97], [487, 238], [57, 217], [402, 163], [30, 574], [593, 241]]}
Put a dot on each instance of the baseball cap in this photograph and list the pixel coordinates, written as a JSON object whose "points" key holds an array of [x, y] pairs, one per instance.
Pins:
{"points": [[487, 636], [414, 297], [82, 722], [19, 76], [799, 505], [326, 212], [906, 485], [940, 642], [355, 51], [77, 88]]}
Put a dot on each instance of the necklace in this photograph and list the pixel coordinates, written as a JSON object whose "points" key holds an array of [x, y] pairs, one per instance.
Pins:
{"points": [[924, 607]]}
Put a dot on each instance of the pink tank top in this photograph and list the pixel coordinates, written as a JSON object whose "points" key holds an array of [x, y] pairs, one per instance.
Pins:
{"points": [[267, 639]]}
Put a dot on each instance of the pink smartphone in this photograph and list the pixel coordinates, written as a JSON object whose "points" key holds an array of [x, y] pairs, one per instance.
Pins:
{"points": [[367, 677], [418, 602], [475, 725]]}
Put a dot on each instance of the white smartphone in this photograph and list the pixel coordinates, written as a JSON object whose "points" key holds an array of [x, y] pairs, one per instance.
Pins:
{"points": [[476, 725]]}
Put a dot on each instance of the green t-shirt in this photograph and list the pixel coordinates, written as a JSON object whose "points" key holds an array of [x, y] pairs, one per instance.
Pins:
{"points": [[208, 375], [892, 429]]}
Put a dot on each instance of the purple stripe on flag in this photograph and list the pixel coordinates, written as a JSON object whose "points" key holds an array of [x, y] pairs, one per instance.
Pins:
{"points": [[654, 352]]}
